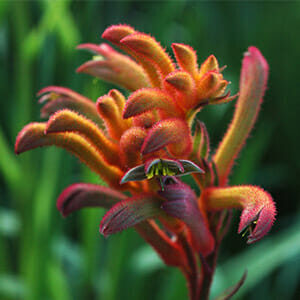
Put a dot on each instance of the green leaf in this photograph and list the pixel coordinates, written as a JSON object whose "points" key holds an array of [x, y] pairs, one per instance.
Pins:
{"points": [[232, 290]]}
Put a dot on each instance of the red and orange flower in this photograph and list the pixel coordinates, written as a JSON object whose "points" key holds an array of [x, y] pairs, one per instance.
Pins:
{"points": [[143, 145]]}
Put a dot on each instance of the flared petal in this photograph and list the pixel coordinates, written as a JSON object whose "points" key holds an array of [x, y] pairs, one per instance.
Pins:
{"points": [[114, 67], [161, 168], [56, 98], [115, 34], [130, 212], [182, 204], [82, 195]]}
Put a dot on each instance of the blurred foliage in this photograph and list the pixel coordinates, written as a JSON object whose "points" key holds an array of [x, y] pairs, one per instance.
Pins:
{"points": [[43, 256]]}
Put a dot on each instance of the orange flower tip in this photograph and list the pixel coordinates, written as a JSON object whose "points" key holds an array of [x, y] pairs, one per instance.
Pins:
{"points": [[172, 131], [186, 57], [82, 195], [208, 86], [210, 64], [115, 94], [182, 81], [146, 99], [118, 98], [105, 104], [115, 33], [59, 119], [211, 78], [183, 48], [147, 46], [27, 137]]}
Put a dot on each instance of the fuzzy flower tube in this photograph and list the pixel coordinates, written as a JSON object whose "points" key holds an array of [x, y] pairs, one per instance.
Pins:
{"points": [[142, 145]]}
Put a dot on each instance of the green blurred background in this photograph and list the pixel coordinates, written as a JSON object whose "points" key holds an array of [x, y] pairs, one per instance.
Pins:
{"points": [[42, 255]]}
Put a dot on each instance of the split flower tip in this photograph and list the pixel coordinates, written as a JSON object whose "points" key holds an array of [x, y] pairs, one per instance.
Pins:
{"points": [[258, 207], [261, 217]]}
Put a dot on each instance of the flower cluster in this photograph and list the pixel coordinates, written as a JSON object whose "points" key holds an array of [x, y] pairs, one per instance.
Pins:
{"points": [[143, 144]]}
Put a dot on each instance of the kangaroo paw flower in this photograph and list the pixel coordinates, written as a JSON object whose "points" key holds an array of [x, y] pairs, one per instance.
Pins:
{"points": [[56, 98], [114, 67], [130, 212], [33, 136], [146, 46], [115, 34], [186, 58], [173, 133], [145, 100], [81, 195], [258, 207], [109, 110], [261, 217], [151, 138], [182, 204], [69, 121], [254, 76]]}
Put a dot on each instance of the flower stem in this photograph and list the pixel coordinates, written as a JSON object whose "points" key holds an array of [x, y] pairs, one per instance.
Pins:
{"points": [[192, 274], [207, 273]]}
